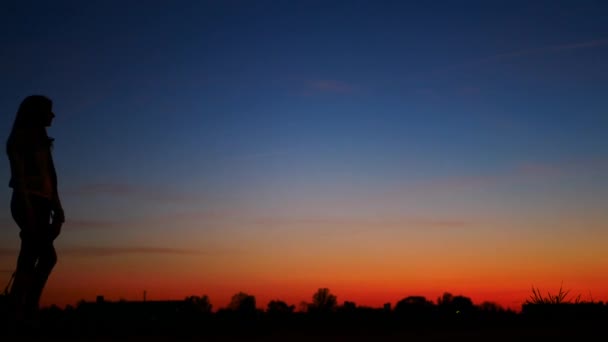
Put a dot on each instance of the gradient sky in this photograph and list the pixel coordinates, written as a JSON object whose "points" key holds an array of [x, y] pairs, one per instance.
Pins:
{"points": [[378, 148]]}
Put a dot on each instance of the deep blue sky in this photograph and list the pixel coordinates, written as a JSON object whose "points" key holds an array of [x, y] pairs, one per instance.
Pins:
{"points": [[209, 95], [316, 108]]}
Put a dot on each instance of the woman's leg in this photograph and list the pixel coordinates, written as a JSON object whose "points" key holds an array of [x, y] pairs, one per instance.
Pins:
{"points": [[46, 261], [24, 277], [33, 245], [26, 261]]}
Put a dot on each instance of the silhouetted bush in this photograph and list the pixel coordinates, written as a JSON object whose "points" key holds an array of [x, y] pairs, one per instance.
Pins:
{"points": [[455, 306], [279, 308], [197, 305], [193, 316], [323, 302], [415, 308], [490, 308], [242, 303]]}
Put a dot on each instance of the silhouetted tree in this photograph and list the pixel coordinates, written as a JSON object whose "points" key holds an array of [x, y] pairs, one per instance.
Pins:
{"points": [[323, 301], [416, 301], [490, 307], [304, 306], [463, 304], [242, 303], [445, 299], [455, 304], [198, 305], [279, 307], [413, 305], [349, 306], [415, 308]]}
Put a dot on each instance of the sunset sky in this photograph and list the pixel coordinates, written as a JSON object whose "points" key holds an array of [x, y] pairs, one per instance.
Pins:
{"points": [[378, 148]]}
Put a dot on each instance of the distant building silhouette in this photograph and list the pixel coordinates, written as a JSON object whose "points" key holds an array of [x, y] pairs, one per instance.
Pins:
{"points": [[132, 310]]}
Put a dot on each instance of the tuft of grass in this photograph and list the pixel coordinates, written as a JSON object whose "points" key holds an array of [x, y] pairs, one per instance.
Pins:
{"points": [[558, 298]]}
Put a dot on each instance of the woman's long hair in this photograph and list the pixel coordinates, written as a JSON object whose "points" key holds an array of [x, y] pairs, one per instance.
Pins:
{"points": [[29, 121]]}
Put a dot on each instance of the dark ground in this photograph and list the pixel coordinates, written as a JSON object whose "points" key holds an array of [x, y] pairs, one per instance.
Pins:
{"points": [[597, 331], [539, 323], [470, 335]]}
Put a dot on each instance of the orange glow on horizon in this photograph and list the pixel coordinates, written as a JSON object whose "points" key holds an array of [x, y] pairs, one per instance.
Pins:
{"points": [[373, 293]]}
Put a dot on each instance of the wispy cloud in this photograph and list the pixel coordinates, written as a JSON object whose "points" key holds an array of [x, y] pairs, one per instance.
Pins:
{"points": [[111, 250], [108, 251], [540, 169], [507, 55], [91, 224], [96, 251], [5, 220], [551, 48], [524, 171], [8, 252], [566, 166], [365, 223], [200, 216], [129, 190]]}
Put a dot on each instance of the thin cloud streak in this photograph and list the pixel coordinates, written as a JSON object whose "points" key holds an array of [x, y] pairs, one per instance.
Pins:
{"points": [[547, 49], [129, 190], [368, 223], [91, 224], [541, 169], [552, 48], [523, 171], [108, 251], [199, 216], [8, 252], [542, 50], [84, 251], [6, 221]]}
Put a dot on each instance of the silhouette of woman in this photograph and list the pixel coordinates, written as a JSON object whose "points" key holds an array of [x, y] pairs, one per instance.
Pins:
{"points": [[35, 204]]}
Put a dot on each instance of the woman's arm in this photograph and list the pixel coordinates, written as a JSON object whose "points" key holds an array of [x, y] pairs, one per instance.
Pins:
{"points": [[18, 180], [58, 214]]}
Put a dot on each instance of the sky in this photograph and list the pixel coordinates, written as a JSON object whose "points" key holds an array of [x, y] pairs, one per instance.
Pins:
{"points": [[378, 148]]}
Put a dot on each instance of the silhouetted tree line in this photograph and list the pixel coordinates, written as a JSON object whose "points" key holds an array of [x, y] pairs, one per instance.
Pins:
{"points": [[194, 314]]}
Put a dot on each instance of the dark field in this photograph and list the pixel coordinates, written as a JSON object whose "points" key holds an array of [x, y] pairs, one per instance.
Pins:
{"points": [[410, 320], [504, 334], [513, 330]]}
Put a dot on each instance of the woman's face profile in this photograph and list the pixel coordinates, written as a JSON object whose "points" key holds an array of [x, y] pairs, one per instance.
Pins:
{"points": [[47, 118]]}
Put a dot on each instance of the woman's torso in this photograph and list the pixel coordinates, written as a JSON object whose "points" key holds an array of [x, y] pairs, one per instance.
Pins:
{"points": [[37, 173]]}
